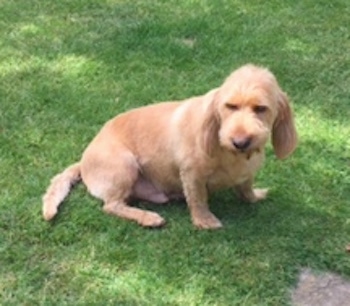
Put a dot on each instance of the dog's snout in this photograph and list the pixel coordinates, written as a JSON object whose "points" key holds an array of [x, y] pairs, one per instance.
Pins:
{"points": [[242, 143]]}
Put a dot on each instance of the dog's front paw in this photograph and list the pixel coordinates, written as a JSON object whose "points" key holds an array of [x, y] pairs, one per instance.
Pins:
{"points": [[259, 194], [206, 220], [253, 195]]}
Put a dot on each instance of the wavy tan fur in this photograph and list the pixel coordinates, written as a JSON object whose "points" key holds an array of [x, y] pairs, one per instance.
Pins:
{"points": [[184, 149]]}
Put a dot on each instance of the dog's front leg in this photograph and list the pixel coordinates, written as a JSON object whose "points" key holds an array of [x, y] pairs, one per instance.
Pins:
{"points": [[196, 194], [248, 193]]}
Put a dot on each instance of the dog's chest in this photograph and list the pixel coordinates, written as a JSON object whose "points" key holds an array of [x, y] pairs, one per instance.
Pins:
{"points": [[234, 170]]}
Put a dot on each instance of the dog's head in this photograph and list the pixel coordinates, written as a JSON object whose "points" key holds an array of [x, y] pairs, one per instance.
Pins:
{"points": [[246, 110]]}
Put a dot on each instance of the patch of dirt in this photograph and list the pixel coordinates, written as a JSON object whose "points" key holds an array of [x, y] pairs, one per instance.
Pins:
{"points": [[326, 289]]}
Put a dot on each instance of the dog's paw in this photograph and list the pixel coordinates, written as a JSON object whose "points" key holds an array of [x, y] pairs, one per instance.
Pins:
{"points": [[151, 219], [259, 194], [206, 220], [49, 212]]}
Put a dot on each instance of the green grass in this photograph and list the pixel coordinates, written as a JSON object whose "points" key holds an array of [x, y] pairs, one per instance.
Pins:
{"points": [[68, 66]]}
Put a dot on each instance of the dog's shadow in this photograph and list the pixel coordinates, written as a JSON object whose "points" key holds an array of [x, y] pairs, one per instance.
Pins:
{"points": [[226, 205]]}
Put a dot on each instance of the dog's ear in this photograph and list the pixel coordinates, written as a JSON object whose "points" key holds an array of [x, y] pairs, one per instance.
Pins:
{"points": [[284, 135], [210, 127]]}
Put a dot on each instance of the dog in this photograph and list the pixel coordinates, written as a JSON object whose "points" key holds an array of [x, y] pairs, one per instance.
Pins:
{"points": [[184, 149]]}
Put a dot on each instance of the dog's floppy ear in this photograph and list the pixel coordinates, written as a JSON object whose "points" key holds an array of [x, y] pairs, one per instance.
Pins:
{"points": [[284, 135], [210, 127]]}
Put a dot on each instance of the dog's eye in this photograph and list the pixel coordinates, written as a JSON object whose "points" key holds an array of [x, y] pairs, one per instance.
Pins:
{"points": [[232, 107], [259, 109]]}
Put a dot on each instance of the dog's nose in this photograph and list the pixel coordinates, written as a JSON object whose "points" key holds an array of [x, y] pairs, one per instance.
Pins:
{"points": [[242, 143]]}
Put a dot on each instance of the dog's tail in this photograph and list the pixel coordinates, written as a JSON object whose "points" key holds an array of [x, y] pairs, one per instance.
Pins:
{"points": [[59, 188]]}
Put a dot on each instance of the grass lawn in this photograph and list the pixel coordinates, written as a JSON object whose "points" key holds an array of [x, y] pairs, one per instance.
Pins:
{"points": [[68, 66]]}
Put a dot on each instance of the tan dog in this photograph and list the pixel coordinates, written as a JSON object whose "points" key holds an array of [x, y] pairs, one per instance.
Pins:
{"points": [[187, 148]]}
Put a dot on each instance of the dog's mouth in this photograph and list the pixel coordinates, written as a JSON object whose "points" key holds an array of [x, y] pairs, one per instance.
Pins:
{"points": [[248, 153], [252, 152], [244, 145], [247, 146]]}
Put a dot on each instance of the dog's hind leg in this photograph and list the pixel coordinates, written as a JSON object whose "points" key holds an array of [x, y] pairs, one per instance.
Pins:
{"points": [[113, 180], [143, 217]]}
